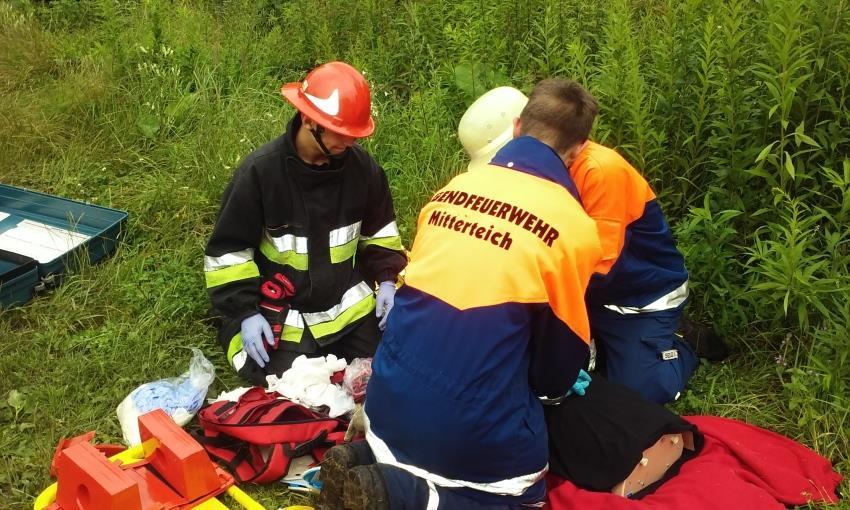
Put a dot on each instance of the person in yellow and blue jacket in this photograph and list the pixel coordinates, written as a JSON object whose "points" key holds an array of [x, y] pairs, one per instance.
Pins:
{"points": [[490, 326]]}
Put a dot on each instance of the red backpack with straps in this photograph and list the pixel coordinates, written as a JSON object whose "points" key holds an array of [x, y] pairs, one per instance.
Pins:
{"points": [[258, 436]]}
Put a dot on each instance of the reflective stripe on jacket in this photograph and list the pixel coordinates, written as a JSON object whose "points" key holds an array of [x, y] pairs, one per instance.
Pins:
{"points": [[329, 229]]}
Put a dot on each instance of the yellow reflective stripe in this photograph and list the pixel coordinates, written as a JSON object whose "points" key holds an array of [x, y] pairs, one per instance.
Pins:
{"points": [[355, 304], [288, 242], [392, 243], [293, 327], [234, 347], [351, 314], [291, 334], [289, 258], [388, 230], [225, 275], [349, 298], [387, 236], [344, 252]]}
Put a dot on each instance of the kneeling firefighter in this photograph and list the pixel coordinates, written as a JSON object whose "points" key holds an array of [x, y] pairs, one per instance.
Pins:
{"points": [[305, 232]]}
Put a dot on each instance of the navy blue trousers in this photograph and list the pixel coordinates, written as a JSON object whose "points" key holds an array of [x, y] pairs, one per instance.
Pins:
{"points": [[643, 351]]}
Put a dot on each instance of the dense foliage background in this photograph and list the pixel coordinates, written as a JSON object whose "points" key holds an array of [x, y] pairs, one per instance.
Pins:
{"points": [[737, 111]]}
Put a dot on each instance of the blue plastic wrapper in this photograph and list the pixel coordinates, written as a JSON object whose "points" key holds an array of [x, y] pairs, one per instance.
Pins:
{"points": [[179, 397]]}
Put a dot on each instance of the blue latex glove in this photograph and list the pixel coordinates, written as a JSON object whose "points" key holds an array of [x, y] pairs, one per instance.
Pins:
{"points": [[581, 384], [384, 303], [253, 330]]}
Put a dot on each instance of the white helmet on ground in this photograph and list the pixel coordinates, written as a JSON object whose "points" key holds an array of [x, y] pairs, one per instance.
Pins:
{"points": [[487, 124]]}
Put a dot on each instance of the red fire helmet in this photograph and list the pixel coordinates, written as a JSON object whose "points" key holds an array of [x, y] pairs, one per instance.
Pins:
{"points": [[336, 96]]}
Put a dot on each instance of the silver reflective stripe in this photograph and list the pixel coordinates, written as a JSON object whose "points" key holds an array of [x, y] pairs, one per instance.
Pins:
{"points": [[343, 235], [388, 230], [511, 486], [239, 360], [433, 496], [293, 318], [228, 259], [666, 302], [351, 297], [288, 242]]}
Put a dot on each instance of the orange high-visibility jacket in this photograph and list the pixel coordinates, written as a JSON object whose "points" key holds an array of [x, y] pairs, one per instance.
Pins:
{"points": [[641, 267]]}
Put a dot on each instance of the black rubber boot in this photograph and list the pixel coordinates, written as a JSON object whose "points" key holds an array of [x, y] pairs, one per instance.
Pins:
{"points": [[365, 489], [335, 466], [704, 340]]}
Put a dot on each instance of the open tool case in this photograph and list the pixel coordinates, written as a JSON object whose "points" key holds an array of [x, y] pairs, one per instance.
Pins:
{"points": [[42, 235]]}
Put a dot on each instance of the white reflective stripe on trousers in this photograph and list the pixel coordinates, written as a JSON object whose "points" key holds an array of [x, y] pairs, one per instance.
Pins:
{"points": [[671, 300], [510, 487], [228, 259]]}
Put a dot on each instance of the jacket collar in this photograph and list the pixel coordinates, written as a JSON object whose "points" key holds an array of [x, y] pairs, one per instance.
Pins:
{"points": [[529, 155], [289, 148]]}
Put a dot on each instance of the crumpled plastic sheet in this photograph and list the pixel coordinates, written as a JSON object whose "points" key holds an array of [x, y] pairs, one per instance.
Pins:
{"points": [[356, 378], [180, 397]]}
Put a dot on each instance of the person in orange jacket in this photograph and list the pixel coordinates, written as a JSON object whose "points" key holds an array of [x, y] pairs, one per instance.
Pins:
{"points": [[638, 292]]}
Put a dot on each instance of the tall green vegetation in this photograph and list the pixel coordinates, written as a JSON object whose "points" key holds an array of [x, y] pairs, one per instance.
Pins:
{"points": [[737, 111]]}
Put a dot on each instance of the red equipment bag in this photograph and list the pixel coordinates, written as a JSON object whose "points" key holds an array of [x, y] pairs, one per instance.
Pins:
{"points": [[258, 436]]}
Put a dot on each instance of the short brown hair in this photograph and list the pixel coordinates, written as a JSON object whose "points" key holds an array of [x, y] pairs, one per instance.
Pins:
{"points": [[559, 113]]}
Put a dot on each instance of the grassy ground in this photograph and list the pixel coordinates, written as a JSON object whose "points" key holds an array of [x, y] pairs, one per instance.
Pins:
{"points": [[737, 111]]}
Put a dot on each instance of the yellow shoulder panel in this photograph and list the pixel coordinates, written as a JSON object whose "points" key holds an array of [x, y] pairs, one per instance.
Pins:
{"points": [[501, 236]]}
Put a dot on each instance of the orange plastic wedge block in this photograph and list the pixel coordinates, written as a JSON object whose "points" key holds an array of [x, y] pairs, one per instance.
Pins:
{"points": [[88, 481], [65, 443], [177, 457]]}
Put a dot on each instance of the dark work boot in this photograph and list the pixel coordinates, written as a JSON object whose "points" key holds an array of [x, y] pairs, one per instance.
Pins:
{"points": [[335, 466], [704, 340], [366, 489]]}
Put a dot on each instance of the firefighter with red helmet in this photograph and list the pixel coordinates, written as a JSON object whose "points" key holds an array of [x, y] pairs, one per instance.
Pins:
{"points": [[305, 233]]}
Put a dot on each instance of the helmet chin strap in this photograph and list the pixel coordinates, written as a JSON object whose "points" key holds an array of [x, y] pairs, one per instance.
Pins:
{"points": [[317, 135]]}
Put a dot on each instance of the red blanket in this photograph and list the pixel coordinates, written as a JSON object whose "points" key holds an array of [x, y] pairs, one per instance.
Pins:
{"points": [[741, 466]]}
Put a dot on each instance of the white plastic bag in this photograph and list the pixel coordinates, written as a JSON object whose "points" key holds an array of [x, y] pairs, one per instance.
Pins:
{"points": [[179, 397]]}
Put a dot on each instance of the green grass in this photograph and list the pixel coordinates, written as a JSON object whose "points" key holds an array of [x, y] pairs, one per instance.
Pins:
{"points": [[738, 112]]}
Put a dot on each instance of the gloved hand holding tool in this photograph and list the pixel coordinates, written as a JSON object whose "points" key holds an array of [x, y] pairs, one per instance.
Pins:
{"points": [[254, 328], [384, 303], [275, 291]]}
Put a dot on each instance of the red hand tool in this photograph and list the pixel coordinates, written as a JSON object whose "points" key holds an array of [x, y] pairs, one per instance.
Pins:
{"points": [[276, 290]]}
